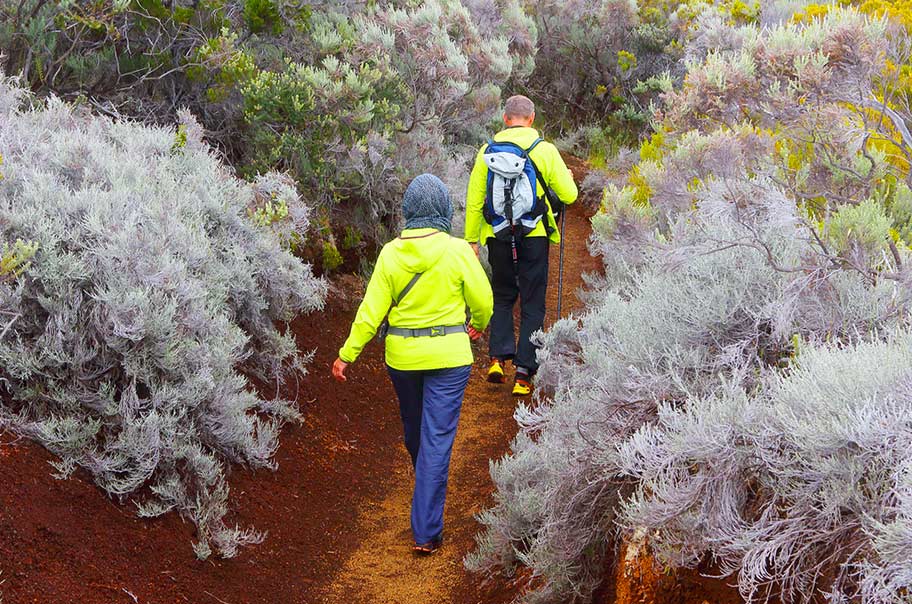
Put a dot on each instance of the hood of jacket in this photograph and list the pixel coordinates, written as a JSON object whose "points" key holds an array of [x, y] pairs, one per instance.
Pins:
{"points": [[417, 250], [522, 136]]}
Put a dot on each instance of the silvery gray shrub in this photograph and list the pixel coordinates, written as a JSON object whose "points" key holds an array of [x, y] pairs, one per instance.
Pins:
{"points": [[129, 344], [800, 485], [658, 416], [738, 386]]}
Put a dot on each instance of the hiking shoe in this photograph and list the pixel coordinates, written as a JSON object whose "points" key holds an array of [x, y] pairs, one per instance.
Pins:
{"points": [[426, 549], [496, 372], [522, 386]]}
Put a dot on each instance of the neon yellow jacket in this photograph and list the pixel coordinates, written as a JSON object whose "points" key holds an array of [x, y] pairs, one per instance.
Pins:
{"points": [[553, 169], [452, 278]]}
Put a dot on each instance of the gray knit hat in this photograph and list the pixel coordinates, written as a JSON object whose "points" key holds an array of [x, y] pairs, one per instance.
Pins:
{"points": [[427, 204]]}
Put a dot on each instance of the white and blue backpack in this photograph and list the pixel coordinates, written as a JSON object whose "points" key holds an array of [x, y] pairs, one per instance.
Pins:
{"points": [[512, 207]]}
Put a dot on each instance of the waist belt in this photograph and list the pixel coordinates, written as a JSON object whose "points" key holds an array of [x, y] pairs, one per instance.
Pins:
{"points": [[440, 330]]}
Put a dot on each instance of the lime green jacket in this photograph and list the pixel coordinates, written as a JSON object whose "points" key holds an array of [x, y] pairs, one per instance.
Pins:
{"points": [[452, 279], [553, 169]]}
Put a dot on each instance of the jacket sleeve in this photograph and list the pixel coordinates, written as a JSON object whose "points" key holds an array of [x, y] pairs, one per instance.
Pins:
{"points": [[373, 308], [558, 176], [475, 196], [476, 289]]}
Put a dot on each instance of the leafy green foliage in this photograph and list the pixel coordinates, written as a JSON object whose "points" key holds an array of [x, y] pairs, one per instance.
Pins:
{"points": [[293, 113], [865, 225], [352, 100], [262, 15], [332, 259], [15, 259]]}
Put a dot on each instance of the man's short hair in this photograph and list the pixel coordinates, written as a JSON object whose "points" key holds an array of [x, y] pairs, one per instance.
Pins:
{"points": [[519, 107]]}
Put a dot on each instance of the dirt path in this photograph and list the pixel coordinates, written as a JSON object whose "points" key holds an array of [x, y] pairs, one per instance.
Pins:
{"points": [[382, 569], [336, 510]]}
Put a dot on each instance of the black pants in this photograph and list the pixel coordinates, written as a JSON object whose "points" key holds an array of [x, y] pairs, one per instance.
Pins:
{"points": [[529, 282]]}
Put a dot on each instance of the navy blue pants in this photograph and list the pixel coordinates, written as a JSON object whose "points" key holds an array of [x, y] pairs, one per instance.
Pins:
{"points": [[528, 281], [429, 403]]}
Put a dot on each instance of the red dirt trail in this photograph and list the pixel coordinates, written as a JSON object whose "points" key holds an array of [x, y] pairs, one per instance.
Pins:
{"points": [[336, 510]]}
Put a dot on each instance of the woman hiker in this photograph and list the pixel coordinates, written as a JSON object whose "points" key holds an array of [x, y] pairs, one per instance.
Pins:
{"points": [[425, 279]]}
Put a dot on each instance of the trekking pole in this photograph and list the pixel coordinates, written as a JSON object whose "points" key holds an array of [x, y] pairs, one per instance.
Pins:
{"points": [[508, 210], [560, 264]]}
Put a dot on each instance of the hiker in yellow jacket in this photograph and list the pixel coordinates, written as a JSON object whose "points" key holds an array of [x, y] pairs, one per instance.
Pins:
{"points": [[425, 279], [525, 274]]}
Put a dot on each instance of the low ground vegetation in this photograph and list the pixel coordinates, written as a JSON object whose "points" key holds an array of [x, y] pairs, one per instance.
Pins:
{"points": [[352, 99]]}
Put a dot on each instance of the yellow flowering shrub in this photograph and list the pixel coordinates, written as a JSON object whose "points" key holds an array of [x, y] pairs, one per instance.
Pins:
{"points": [[16, 258]]}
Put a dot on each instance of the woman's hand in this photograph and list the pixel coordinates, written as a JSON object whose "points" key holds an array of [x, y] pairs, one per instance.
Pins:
{"points": [[339, 367], [474, 334]]}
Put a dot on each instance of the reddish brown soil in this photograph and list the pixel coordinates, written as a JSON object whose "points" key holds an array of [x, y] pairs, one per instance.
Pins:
{"points": [[64, 541], [636, 579]]}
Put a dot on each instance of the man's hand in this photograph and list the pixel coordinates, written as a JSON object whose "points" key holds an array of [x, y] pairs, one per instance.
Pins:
{"points": [[474, 334], [476, 249], [557, 209], [338, 370]]}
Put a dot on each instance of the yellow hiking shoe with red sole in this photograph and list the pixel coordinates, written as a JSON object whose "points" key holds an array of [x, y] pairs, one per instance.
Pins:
{"points": [[522, 387], [496, 372]]}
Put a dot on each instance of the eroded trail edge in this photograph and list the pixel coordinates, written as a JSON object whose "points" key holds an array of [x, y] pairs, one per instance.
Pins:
{"points": [[382, 567]]}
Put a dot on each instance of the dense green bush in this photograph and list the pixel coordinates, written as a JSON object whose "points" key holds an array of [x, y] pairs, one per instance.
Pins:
{"points": [[601, 64], [151, 292], [386, 94], [351, 99]]}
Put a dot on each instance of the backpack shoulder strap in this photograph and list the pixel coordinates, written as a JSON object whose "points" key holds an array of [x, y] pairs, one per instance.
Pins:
{"points": [[538, 173], [384, 327], [407, 288], [519, 149], [549, 193], [533, 145], [531, 161]]}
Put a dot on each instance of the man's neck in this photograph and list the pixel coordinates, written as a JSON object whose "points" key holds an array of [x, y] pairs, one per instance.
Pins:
{"points": [[517, 124]]}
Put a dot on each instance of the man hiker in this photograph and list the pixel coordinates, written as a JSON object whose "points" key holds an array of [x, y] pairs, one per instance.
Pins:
{"points": [[424, 280], [510, 210]]}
